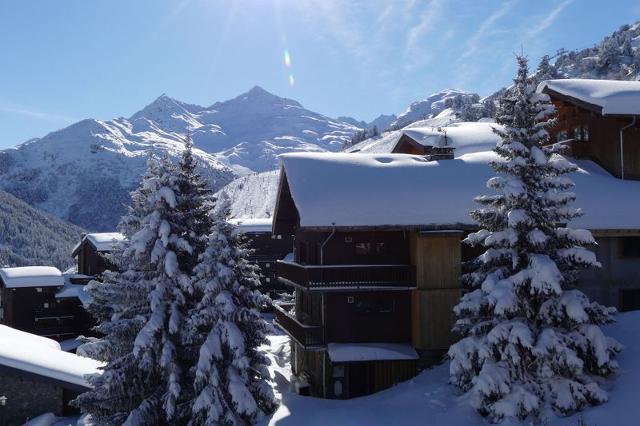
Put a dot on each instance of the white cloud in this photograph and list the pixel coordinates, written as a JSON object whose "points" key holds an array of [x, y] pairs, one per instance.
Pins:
{"points": [[548, 19], [473, 43], [30, 112]]}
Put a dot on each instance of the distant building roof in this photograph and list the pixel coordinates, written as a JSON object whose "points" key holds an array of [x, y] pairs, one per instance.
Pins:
{"points": [[326, 190], [44, 357], [253, 225], [74, 290], [31, 276], [608, 97], [354, 352], [102, 241]]}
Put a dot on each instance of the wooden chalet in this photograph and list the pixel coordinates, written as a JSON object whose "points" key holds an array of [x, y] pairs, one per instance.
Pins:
{"points": [[91, 250], [267, 249], [378, 256], [434, 146], [369, 299], [599, 120], [29, 302]]}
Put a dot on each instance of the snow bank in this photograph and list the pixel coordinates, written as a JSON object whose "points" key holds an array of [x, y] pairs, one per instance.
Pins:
{"points": [[429, 399], [43, 357], [361, 190], [351, 352], [31, 276], [105, 241], [613, 96]]}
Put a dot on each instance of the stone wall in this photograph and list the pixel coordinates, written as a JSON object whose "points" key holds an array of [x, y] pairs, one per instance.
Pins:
{"points": [[27, 398]]}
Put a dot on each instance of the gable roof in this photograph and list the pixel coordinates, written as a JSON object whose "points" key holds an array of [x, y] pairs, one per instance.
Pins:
{"points": [[44, 357], [607, 97], [102, 241], [31, 276], [465, 137], [341, 190]]}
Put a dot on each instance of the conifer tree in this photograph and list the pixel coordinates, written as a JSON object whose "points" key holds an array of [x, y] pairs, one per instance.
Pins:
{"points": [[531, 340], [141, 312], [231, 377], [194, 204]]}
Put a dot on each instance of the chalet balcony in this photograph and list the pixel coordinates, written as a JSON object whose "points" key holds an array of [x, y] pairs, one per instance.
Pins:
{"points": [[318, 277], [306, 335]]}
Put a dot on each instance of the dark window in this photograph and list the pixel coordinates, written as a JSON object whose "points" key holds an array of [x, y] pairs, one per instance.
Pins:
{"points": [[381, 248], [367, 307], [630, 299], [362, 249], [562, 136], [630, 247]]}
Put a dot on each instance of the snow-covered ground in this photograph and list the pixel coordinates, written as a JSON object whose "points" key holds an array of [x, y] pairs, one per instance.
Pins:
{"points": [[428, 399]]}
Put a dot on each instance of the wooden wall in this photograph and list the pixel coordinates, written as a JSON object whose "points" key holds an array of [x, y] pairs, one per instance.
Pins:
{"points": [[603, 145], [437, 257], [365, 316], [340, 249]]}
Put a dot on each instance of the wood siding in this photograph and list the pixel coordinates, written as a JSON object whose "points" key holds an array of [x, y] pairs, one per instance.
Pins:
{"points": [[437, 257], [603, 144], [386, 247], [360, 317]]}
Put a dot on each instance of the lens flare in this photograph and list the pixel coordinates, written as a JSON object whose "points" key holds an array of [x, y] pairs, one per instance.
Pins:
{"points": [[292, 81], [287, 58]]}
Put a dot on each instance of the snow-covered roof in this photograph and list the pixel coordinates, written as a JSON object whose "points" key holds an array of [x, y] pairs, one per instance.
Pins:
{"points": [[105, 241], [74, 290], [373, 190], [614, 97], [354, 352], [465, 137], [31, 276], [253, 225], [43, 357]]}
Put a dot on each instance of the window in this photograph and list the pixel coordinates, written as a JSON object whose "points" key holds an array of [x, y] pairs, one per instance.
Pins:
{"points": [[630, 247], [362, 249], [562, 136], [367, 307], [348, 239], [381, 248], [585, 133], [577, 133]]}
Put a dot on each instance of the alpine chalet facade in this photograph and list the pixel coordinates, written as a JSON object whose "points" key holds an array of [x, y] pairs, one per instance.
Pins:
{"points": [[378, 251]]}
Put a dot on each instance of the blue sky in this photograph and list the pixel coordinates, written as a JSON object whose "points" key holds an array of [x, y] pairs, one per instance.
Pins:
{"points": [[61, 61]]}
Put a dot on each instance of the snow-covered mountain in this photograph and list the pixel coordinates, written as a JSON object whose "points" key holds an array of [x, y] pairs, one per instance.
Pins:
{"points": [[84, 173], [432, 106], [252, 196], [617, 57]]}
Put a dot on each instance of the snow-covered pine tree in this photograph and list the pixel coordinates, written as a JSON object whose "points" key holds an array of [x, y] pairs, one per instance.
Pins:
{"points": [[194, 204], [546, 70], [531, 341], [231, 376], [141, 383]]}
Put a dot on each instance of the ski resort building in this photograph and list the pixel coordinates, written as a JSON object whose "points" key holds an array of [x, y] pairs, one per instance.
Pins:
{"points": [[38, 377], [267, 249], [599, 120], [378, 257], [91, 250]]}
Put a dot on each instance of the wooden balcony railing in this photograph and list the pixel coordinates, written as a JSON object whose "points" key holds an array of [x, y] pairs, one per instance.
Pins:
{"points": [[306, 335], [323, 276]]}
